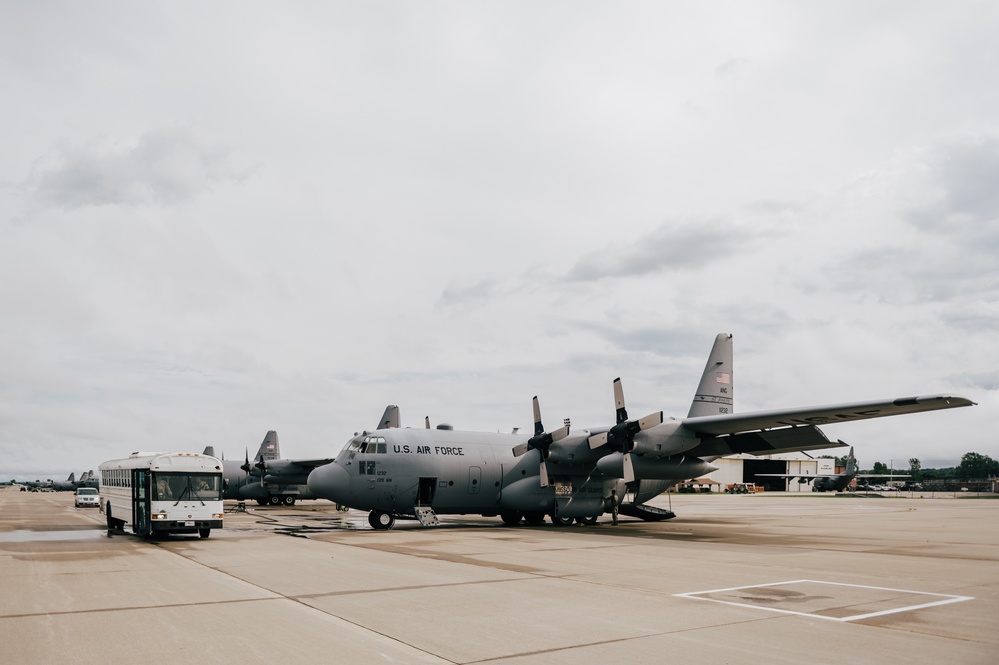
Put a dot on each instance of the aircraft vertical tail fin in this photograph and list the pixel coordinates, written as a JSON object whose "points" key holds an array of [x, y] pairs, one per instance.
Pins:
{"points": [[851, 463], [269, 448], [390, 419], [715, 391]]}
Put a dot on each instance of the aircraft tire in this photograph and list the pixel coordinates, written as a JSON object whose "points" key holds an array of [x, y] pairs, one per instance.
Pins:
{"points": [[380, 520], [588, 521], [561, 521], [534, 519], [289, 500], [261, 502], [511, 519], [204, 533], [274, 500]]}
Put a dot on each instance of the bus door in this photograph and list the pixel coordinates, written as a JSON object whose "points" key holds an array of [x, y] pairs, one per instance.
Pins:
{"points": [[140, 502]]}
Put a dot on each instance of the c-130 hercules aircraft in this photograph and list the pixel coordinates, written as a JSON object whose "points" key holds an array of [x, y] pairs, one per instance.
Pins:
{"points": [[422, 473]]}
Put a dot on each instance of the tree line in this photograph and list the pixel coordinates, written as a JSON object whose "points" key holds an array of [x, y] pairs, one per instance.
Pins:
{"points": [[974, 466]]}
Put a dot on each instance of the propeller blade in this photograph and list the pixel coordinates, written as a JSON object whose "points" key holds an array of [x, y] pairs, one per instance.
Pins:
{"points": [[520, 449], [622, 413], [560, 433], [598, 440], [538, 427], [543, 472], [629, 470], [650, 421]]}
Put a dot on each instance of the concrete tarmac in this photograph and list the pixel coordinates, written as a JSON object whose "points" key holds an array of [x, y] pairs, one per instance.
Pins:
{"points": [[768, 578]]}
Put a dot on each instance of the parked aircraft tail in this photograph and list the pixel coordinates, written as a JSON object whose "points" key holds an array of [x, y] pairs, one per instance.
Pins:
{"points": [[715, 392], [390, 418], [269, 447], [851, 463]]}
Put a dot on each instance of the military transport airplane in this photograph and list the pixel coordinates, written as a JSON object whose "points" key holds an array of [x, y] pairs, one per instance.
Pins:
{"points": [[421, 473], [268, 479], [835, 482]]}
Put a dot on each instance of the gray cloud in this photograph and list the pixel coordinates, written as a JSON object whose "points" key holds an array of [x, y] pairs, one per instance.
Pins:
{"points": [[166, 166], [731, 67], [671, 247]]}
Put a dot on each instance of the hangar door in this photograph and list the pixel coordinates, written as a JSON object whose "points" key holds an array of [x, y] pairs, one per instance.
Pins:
{"points": [[751, 467]]}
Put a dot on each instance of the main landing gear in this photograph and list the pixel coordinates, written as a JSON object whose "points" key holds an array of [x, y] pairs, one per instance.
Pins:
{"points": [[380, 520]]}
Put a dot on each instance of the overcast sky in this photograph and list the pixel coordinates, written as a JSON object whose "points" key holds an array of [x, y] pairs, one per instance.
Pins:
{"points": [[222, 218]]}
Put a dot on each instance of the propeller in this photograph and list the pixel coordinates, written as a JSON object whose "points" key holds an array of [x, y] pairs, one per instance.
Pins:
{"points": [[541, 441], [263, 468], [622, 435]]}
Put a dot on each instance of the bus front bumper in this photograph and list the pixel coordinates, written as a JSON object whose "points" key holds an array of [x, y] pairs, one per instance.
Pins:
{"points": [[183, 526]]}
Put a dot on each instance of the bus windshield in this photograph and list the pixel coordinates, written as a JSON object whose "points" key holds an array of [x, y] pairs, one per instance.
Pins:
{"points": [[187, 486]]}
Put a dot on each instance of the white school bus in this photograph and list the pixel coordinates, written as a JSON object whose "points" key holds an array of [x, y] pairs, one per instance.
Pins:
{"points": [[161, 493]]}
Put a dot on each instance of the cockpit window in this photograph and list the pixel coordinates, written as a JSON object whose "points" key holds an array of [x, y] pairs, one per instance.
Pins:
{"points": [[373, 445]]}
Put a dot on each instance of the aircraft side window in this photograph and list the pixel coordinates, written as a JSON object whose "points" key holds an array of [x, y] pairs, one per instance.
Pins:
{"points": [[381, 448]]}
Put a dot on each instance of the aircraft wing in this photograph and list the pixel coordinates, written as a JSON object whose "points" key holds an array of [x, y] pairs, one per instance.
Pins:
{"points": [[882, 475], [766, 442], [735, 423], [290, 467], [800, 475]]}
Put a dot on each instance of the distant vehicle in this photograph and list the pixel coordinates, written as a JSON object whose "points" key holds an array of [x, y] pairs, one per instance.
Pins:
{"points": [[87, 496], [161, 493]]}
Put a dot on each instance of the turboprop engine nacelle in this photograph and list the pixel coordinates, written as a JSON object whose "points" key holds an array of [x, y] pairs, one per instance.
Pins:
{"points": [[677, 467], [666, 440], [527, 495]]}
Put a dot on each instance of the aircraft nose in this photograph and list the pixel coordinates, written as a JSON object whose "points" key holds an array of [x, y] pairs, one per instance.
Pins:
{"points": [[329, 481]]}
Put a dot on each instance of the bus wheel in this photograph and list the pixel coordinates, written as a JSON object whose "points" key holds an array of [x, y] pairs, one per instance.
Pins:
{"points": [[289, 500], [274, 500], [204, 532], [380, 520]]}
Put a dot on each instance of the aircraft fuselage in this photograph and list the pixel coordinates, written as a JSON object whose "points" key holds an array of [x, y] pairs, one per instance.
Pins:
{"points": [[454, 472]]}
